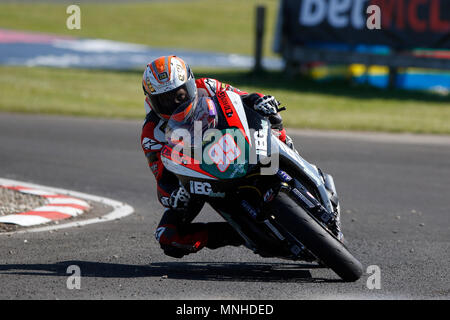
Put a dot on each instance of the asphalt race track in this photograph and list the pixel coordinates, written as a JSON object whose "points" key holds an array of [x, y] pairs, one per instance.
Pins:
{"points": [[394, 195]]}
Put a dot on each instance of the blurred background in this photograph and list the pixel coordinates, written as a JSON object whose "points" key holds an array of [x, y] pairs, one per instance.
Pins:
{"points": [[316, 56]]}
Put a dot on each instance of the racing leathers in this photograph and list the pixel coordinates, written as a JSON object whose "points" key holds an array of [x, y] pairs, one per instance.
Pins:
{"points": [[176, 233]]}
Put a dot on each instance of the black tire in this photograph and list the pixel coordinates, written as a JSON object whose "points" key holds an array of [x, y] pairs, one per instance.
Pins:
{"points": [[321, 243]]}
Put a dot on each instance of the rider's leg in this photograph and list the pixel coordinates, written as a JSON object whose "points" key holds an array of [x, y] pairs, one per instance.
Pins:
{"points": [[178, 236]]}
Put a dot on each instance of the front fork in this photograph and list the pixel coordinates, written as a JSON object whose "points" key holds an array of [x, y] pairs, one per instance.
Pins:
{"points": [[301, 195], [268, 224], [296, 191], [262, 234], [262, 224]]}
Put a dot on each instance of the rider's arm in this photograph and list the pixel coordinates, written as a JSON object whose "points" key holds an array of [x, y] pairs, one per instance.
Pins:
{"points": [[166, 182], [209, 87]]}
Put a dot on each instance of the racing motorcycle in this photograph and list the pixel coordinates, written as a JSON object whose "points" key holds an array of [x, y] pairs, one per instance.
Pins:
{"points": [[226, 154]]}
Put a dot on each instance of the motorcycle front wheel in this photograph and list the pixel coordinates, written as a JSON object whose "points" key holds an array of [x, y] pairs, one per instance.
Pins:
{"points": [[318, 240]]}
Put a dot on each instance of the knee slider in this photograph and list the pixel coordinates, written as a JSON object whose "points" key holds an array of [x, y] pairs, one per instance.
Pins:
{"points": [[172, 251], [165, 234]]}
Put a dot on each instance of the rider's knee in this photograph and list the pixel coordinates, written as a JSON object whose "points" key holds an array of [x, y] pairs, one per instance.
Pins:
{"points": [[165, 236], [177, 245]]}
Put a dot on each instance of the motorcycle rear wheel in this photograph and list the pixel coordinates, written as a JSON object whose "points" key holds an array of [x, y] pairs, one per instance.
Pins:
{"points": [[319, 241]]}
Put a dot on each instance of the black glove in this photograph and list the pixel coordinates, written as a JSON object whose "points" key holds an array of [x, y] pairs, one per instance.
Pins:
{"points": [[179, 198], [276, 122], [267, 105]]}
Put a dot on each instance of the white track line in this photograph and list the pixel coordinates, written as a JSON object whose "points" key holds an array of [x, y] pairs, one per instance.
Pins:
{"points": [[120, 209]]}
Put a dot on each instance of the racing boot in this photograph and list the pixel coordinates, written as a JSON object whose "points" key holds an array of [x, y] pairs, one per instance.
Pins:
{"points": [[221, 234], [195, 236]]}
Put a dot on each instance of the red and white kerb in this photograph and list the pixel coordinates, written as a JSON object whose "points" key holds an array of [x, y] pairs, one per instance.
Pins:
{"points": [[58, 207]]}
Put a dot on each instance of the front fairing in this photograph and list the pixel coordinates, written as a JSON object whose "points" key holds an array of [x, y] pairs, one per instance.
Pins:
{"points": [[308, 171], [213, 150], [218, 141]]}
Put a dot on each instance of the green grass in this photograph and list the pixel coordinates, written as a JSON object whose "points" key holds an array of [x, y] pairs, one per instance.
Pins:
{"points": [[205, 25], [70, 92], [330, 106]]}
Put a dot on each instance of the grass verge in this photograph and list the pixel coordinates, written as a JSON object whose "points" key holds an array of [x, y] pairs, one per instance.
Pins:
{"points": [[204, 25], [328, 106]]}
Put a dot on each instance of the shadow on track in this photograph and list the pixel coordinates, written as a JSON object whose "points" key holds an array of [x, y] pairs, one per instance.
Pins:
{"points": [[207, 271]]}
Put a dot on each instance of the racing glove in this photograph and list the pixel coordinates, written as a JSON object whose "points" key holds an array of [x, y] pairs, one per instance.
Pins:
{"points": [[267, 105], [179, 199]]}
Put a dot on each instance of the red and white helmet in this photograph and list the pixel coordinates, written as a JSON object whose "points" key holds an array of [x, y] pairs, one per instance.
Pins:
{"points": [[168, 83]]}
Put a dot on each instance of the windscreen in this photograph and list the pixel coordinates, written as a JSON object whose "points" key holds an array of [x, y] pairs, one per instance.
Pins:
{"points": [[188, 131]]}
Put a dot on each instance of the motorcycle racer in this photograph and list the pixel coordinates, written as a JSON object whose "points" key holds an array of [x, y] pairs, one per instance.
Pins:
{"points": [[168, 82]]}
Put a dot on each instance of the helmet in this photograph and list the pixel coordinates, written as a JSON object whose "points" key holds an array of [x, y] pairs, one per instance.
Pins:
{"points": [[168, 83]]}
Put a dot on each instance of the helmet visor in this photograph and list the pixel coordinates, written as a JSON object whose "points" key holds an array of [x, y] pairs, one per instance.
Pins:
{"points": [[166, 103]]}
